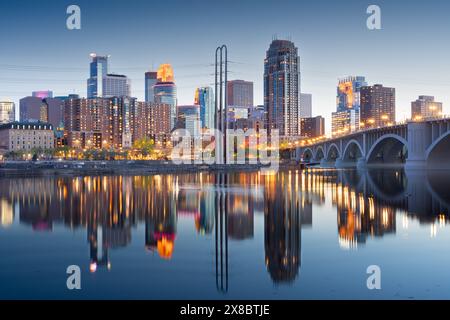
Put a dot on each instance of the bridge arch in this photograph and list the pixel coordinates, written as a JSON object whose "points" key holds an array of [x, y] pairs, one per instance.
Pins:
{"points": [[388, 149], [352, 151], [320, 154], [438, 153], [333, 153], [307, 155]]}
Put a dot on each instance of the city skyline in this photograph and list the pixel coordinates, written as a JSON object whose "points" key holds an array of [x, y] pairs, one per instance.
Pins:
{"points": [[396, 67]]}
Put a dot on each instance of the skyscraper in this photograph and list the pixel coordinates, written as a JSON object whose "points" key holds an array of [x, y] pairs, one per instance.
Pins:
{"points": [[98, 70], [166, 91], [348, 93], [7, 112], [305, 105], [425, 107], [240, 93], [282, 88], [204, 97], [348, 102], [102, 84], [377, 106], [151, 78]]}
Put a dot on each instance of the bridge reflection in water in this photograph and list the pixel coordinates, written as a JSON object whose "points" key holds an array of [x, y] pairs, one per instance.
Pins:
{"points": [[223, 207]]}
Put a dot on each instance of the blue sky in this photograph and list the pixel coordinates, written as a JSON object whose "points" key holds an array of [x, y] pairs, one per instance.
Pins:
{"points": [[410, 53]]}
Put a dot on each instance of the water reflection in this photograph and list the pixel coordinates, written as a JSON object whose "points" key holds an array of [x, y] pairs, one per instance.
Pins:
{"points": [[224, 207]]}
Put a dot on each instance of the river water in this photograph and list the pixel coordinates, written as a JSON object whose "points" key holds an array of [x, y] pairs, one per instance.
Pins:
{"points": [[295, 235]]}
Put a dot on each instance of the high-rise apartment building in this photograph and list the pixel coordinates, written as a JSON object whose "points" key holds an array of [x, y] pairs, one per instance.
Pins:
{"points": [[282, 88], [425, 107], [377, 106]]}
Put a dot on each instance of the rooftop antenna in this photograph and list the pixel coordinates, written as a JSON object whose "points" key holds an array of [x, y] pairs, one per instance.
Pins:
{"points": [[274, 37]]}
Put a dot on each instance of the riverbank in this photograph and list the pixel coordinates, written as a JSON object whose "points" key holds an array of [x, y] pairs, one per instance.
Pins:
{"points": [[93, 168]]}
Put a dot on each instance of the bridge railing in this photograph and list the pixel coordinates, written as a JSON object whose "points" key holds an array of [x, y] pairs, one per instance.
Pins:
{"points": [[314, 141]]}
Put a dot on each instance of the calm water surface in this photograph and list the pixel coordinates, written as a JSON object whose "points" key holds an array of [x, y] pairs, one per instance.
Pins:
{"points": [[296, 235]]}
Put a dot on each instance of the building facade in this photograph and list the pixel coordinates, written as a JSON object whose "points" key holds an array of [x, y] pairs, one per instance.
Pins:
{"points": [[425, 107], [204, 97], [98, 71], [151, 78], [166, 91], [377, 106], [305, 105], [189, 119], [348, 100], [240, 93], [7, 112], [313, 127], [282, 88], [344, 122], [25, 136]]}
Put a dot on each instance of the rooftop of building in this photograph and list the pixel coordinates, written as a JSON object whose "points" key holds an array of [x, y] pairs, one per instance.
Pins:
{"points": [[35, 125]]}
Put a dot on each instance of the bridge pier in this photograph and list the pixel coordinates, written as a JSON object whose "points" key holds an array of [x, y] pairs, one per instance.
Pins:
{"points": [[361, 163], [418, 140]]}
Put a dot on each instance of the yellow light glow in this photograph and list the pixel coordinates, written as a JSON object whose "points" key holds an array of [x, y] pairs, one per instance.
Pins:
{"points": [[165, 73]]}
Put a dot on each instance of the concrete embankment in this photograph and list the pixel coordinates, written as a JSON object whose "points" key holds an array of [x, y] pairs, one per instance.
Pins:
{"points": [[89, 168]]}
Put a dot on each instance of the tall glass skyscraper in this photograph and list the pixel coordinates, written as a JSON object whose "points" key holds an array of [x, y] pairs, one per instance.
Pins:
{"points": [[204, 97], [151, 78], [98, 71], [102, 84], [282, 88], [166, 91]]}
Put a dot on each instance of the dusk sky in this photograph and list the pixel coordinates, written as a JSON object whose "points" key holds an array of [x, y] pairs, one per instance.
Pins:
{"points": [[410, 53]]}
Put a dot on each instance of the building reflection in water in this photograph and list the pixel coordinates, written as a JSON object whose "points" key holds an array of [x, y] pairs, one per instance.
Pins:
{"points": [[282, 227], [224, 206]]}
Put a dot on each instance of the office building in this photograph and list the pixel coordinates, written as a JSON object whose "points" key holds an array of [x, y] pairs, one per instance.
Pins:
{"points": [[377, 106], [305, 105], [282, 88], [7, 112], [98, 71], [240, 93], [189, 119], [166, 91], [425, 107], [348, 100], [204, 97], [348, 93], [151, 78], [103, 84], [313, 127]]}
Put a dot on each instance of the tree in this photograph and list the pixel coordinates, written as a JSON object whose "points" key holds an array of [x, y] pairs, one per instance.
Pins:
{"points": [[144, 147]]}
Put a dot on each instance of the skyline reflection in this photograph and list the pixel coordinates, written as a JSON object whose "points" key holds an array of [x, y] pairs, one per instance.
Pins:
{"points": [[223, 208]]}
